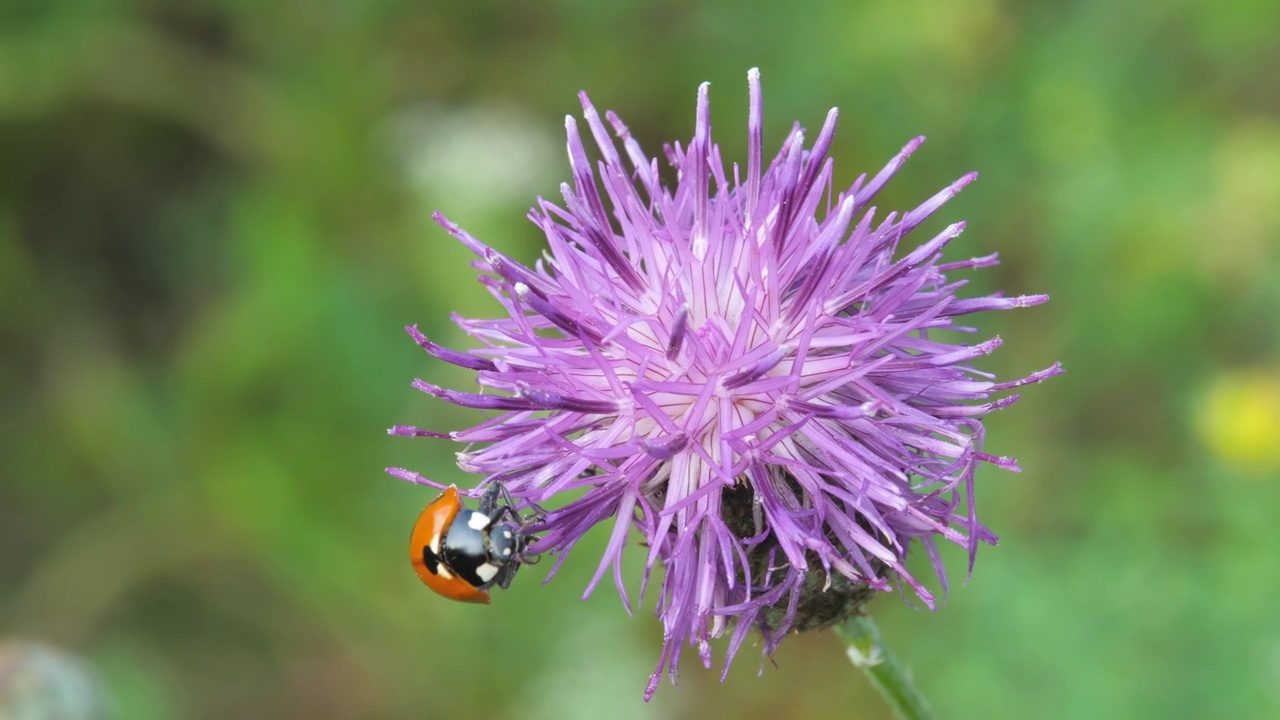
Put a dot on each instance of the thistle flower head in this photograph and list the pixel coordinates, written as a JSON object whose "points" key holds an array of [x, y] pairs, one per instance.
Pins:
{"points": [[737, 371]]}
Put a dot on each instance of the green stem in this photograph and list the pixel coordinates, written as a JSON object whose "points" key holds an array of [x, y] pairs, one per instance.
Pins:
{"points": [[867, 651]]}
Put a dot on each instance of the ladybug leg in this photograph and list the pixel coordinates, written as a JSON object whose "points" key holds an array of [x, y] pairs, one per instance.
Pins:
{"points": [[498, 511], [489, 501], [506, 498], [535, 513], [506, 575], [529, 559]]}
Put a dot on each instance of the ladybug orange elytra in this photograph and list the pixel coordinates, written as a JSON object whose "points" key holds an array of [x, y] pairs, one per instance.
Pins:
{"points": [[460, 553]]}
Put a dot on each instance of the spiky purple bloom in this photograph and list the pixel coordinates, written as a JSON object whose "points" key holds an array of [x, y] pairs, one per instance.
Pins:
{"points": [[739, 372]]}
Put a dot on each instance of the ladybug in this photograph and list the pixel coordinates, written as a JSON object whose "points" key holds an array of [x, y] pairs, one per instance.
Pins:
{"points": [[460, 553]]}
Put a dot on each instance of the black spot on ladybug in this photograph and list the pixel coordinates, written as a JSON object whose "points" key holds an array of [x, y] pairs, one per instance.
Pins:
{"points": [[430, 560]]}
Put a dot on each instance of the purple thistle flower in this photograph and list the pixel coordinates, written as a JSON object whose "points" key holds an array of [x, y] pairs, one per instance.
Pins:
{"points": [[739, 372]]}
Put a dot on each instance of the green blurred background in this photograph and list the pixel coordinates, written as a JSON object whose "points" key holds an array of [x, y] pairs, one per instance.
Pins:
{"points": [[214, 224]]}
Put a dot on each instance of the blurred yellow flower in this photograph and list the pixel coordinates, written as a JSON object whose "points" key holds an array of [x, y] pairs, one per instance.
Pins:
{"points": [[1239, 419]]}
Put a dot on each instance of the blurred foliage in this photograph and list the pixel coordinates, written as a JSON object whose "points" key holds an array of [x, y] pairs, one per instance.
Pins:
{"points": [[214, 223], [38, 683]]}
